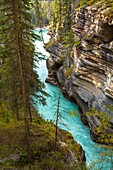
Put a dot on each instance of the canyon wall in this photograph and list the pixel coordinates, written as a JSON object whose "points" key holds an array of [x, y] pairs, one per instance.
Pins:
{"points": [[86, 75]]}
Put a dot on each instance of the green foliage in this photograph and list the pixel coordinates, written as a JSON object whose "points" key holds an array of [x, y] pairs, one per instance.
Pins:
{"points": [[19, 80], [35, 11], [55, 13], [62, 9], [92, 2], [69, 71], [42, 147], [77, 43], [46, 10], [68, 39], [104, 135], [83, 2], [104, 124]]}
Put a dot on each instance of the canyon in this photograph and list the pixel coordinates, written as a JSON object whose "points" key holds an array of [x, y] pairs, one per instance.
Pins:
{"points": [[85, 74]]}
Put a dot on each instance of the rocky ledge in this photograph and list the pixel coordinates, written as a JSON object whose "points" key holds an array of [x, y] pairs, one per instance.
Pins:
{"points": [[90, 71]]}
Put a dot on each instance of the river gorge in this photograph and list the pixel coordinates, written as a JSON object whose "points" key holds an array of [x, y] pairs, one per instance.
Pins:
{"points": [[95, 153]]}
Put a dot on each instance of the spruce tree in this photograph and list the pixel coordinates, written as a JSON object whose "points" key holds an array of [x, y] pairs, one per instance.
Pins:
{"points": [[19, 80], [62, 9]]}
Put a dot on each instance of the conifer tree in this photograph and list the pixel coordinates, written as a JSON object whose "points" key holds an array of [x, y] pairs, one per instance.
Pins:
{"points": [[36, 13], [62, 9], [19, 81]]}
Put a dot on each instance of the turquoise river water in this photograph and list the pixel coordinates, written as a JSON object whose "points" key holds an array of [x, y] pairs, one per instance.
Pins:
{"points": [[95, 157]]}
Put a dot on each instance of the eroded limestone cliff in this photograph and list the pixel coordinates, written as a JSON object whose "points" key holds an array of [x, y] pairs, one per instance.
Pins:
{"points": [[90, 67]]}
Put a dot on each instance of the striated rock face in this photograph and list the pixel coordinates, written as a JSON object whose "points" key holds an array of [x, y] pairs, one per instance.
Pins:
{"points": [[90, 83]]}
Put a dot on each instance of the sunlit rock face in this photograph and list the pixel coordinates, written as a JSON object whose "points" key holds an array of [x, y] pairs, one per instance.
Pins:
{"points": [[90, 83], [93, 58]]}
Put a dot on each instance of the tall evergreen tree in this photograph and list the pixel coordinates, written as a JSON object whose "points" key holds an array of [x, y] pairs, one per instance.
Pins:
{"points": [[62, 8], [19, 80], [36, 13]]}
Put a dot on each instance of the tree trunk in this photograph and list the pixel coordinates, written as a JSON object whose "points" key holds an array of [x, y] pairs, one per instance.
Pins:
{"points": [[57, 118], [18, 38]]}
